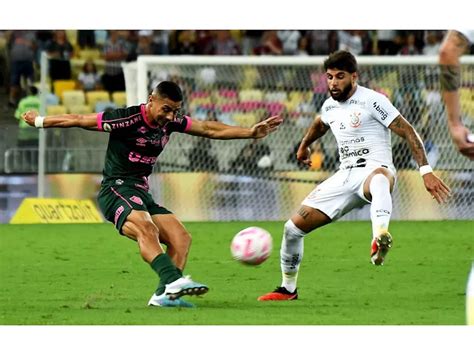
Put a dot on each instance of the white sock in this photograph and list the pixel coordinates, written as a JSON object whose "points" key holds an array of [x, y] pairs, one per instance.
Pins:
{"points": [[291, 253], [381, 208]]}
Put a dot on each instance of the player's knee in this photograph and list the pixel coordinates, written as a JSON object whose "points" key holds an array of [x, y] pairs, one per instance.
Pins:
{"points": [[189, 239], [148, 231], [380, 179], [184, 241], [292, 232], [382, 171]]}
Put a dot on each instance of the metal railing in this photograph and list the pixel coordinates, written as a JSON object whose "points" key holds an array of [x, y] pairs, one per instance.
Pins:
{"points": [[57, 160]]}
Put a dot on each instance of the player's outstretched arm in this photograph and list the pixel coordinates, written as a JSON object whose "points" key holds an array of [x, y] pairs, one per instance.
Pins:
{"points": [[218, 130], [435, 186], [453, 47], [315, 131], [88, 121]]}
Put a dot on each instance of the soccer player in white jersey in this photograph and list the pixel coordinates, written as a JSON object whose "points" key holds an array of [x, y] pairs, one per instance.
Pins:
{"points": [[454, 45], [361, 120]]}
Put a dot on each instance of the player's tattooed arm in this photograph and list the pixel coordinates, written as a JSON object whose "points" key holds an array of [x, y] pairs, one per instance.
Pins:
{"points": [[315, 131], [453, 46], [404, 129]]}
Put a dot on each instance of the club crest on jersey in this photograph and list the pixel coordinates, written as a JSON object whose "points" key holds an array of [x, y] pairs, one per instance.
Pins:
{"points": [[141, 141], [355, 119], [137, 200]]}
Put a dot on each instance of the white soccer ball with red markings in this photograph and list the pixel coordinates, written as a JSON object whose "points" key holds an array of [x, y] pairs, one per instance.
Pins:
{"points": [[251, 246]]}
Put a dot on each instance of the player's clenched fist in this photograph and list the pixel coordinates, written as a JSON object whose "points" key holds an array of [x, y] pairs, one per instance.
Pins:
{"points": [[304, 155], [29, 117]]}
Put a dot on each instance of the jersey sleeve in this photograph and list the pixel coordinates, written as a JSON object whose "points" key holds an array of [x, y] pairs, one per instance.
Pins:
{"points": [[469, 34], [116, 119], [382, 109], [323, 113], [181, 124]]}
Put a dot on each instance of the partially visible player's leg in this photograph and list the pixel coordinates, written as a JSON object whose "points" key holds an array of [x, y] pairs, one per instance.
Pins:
{"points": [[175, 236], [177, 239], [377, 189], [140, 227], [126, 207], [328, 201], [304, 221]]}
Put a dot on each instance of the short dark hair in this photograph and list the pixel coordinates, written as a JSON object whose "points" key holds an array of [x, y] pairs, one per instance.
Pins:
{"points": [[342, 60], [169, 90]]}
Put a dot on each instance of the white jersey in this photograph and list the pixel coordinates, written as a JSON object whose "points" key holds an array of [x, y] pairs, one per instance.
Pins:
{"points": [[360, 126], [469, 34]]}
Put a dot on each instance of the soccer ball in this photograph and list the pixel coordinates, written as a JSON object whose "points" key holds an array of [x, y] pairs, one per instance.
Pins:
{"points": [[251, 246]]}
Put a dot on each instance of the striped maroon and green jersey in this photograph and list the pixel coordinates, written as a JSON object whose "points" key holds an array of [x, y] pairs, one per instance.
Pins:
{"points": [[134, 143]]}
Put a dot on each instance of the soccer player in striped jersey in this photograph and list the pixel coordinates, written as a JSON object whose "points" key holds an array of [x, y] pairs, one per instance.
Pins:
{"points": [[361, 121], [138, 135]]}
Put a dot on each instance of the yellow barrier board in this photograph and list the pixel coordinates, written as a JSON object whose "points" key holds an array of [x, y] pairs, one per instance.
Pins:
{"points": [[56, 210]]}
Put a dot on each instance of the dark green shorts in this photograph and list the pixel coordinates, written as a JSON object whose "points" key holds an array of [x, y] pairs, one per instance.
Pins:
{"points": [[117, 201]]}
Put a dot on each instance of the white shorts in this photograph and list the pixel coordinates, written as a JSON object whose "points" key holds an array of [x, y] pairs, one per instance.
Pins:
{"points": [[341, 192]]}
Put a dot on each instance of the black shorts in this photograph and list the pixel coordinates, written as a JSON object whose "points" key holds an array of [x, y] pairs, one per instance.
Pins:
{"points": [[21, 68], [117, 201]]}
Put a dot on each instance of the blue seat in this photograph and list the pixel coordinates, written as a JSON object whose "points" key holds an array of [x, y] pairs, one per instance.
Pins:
{"points": [[51, 99], [102, 106]]}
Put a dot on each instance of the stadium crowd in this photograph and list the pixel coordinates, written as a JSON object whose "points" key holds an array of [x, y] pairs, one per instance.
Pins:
{"points": [[20, 50], [86, 74]]}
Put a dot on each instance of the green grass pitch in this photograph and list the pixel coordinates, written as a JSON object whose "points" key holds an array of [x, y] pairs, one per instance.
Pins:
{"points": [[89, 274]]}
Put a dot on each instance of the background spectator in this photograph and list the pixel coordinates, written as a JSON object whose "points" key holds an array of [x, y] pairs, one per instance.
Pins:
{"points": [[409, 48], [289, 40], [321, 42], [222, 44], [27, 135], [143, 45], [250, 41], [42, 40], [86, 38], [186, 43], [60, 52], [161, 42], [386, 42], [4, 62], [303, 46], [350, 41], [116, 51], [22, 55], [270, 44], [432, 42], [89, 79]]}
